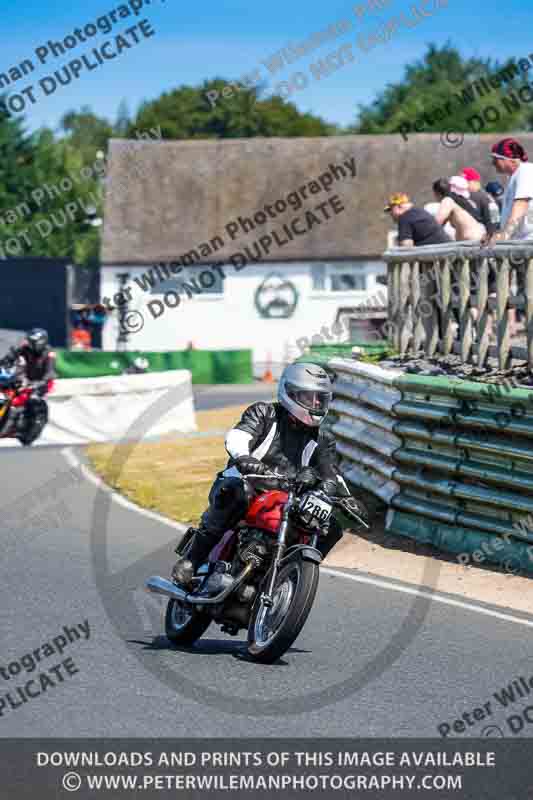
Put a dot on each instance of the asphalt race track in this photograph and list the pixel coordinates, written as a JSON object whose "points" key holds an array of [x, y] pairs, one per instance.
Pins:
{"points": [[372, 661]]}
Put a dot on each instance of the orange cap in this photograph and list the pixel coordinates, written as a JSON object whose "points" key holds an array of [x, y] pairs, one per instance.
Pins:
{"points": [[397, 199]]}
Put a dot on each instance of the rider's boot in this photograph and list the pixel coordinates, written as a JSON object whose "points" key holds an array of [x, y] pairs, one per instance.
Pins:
{"points": [[193, 554]]}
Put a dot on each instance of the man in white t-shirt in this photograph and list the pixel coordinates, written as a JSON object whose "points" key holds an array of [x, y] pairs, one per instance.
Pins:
{"points": [[510, 158]]}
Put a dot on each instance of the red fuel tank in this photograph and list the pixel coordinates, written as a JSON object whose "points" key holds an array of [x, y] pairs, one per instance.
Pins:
{"points": [[265, 511]]}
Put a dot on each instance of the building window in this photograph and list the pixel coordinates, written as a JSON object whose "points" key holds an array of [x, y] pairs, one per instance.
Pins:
{"points": [[191, 281], [340, 277], [318, 274], [348, 282]]}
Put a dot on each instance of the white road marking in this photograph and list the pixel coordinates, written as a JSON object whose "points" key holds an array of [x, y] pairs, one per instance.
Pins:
{"points": [[75, 462], [436, 596], [382, 583]]}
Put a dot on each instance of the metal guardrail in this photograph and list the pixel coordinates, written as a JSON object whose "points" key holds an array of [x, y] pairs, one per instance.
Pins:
{"points": [[453, 465], [433, 289]]}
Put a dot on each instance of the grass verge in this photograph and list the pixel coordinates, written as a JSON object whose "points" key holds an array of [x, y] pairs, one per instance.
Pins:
{"points": [[172, 477]]}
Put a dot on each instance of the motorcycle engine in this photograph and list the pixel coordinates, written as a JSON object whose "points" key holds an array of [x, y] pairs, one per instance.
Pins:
{"points": [[219, 579], [254, 547]]}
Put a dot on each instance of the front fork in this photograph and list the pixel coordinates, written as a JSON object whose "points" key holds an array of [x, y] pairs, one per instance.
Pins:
{"points": [[266, 598]]}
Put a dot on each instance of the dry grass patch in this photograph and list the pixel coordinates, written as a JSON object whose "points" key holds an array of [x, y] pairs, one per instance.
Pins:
{"points": [[220, 419], [171, 477]]}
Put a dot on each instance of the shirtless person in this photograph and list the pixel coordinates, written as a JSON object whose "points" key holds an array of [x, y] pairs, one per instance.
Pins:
{"points": [[454, 198], [457, 209]]}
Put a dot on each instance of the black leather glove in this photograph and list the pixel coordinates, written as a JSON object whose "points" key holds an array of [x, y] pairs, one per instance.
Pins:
{"points": [[40, 388], [250, 465], [330, 487], [306, 478]]}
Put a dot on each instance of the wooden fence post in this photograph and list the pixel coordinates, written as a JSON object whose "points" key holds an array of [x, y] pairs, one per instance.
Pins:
{"points": [[529, 311], [483, 328], [502, 298], [406, 315]]}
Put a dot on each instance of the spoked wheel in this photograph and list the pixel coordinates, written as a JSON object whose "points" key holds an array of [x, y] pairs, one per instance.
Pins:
{"points": [[184, 624], [273, 630]]}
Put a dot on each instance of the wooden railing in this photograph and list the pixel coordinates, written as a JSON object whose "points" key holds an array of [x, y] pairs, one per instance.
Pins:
{"points": [[447, 299]]}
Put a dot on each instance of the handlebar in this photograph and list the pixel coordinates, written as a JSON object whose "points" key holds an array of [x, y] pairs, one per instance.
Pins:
{"points": [[291, 483]]}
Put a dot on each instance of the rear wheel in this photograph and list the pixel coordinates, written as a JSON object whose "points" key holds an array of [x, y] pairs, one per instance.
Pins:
{"points": [[273, 630], [184, 624]]}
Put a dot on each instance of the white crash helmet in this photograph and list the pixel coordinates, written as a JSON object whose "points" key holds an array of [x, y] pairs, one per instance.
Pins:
{"points": [[305, 391]]}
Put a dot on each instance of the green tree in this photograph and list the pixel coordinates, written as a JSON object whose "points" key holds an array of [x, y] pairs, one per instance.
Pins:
{"points": [[69, 189], [86, 131], [44, 197], [442, 78], [16, 175], [186, 113]]}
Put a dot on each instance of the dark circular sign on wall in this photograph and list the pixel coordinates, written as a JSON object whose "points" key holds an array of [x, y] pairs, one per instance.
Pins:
{"points": [[276, 297]]}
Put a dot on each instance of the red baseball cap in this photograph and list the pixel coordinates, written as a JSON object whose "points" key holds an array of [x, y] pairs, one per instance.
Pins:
{"points": [[509, 150], [471, 174]]}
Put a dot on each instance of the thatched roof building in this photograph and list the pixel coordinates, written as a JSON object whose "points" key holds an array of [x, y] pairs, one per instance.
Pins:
{"points": [[167, 198]]}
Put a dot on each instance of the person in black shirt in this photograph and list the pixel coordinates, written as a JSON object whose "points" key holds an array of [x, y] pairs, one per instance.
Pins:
{"points": [[416, 227], [481, 199]]}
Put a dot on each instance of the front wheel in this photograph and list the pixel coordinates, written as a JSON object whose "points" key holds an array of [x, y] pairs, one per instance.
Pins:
{"points": [[273, 630], [184, 624]]}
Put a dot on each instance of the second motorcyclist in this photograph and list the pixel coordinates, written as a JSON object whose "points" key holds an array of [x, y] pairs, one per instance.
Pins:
{"points": [[34, 362]]}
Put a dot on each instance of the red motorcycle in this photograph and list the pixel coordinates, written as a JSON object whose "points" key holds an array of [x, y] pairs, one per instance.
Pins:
{"points": [[15, 394], [263, 574]]}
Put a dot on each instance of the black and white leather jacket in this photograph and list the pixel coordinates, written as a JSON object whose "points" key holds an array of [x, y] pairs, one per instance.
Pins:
{"points": [[266, 432]]}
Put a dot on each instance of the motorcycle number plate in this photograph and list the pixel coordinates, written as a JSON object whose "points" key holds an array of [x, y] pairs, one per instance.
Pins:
{"points": [[317, 507]]}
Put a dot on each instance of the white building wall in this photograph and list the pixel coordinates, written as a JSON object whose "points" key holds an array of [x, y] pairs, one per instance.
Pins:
{"points": [[231, 320]]}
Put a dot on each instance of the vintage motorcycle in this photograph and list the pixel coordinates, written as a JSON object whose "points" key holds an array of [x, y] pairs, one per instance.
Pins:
{"points": [[263, 574], [14, 396]]}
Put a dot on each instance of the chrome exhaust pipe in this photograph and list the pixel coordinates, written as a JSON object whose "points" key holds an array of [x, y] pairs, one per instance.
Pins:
{"points": [[158, 585]]}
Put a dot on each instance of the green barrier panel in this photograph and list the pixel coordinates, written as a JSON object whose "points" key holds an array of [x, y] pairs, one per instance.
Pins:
{"points": [[321, 353], [512, 555], [461, 389], [200, 364], [206, 366], [232, 366]]}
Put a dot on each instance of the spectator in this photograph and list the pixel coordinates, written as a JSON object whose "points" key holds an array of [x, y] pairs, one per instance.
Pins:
{"points": [[416, 227], [457, 208], [434, 207], [510, 158], [80, 339], [480, 198], [496, 190]]}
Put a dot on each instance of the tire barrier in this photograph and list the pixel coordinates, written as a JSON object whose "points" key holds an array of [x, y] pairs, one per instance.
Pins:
{"points": [[105, 409], [206, 366], [450, 458]]}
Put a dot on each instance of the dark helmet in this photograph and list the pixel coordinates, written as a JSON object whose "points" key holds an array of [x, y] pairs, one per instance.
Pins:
{"points": [[494, 188], [37, 340]]}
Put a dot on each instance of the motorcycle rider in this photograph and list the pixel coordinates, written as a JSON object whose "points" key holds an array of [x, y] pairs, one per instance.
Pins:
{"points": [[283, 436], [34, 361]]}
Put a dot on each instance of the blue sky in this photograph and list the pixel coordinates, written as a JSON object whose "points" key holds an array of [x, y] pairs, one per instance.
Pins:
{"points": [[193, 42]]}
